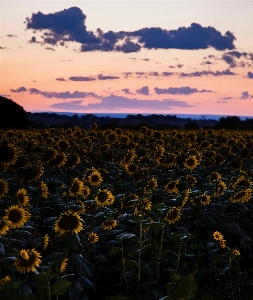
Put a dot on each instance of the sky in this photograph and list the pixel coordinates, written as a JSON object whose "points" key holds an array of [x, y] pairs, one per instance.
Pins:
{"points": [[150, 57]]}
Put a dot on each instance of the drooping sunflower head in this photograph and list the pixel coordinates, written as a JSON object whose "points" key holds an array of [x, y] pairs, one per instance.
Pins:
{"points": [[241, 196], [4, 228], [8, 155], [191, 162], [45, 241], [32, 173], [109, 224], [27, 261], [63, 144], [72, 160], [86, 192], [94, 126], [69, 222], [151, 185], [171, 186], [4, 187], [173, 215], [88, 173], [131, 168], [141, 206], [76, 187], [128, 158], [48, 154], [16, 216], [191, 180], [44, 189], [129, 200], [93, 237], [58, 161], [63, 265], [220, 188], [95, 178], [23, 198], [237, 164], [104, 197], [215, 176], [242, 182], [111, 137], [236, 252], [4, 280]]}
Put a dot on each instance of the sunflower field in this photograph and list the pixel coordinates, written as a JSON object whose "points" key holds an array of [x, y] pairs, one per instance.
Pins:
{"points": [[126, 214]]}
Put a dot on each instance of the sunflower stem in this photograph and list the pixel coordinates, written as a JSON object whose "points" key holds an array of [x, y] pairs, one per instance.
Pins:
{"points": [[124, 264], [139, 259], [159, 257], [178, 256]]}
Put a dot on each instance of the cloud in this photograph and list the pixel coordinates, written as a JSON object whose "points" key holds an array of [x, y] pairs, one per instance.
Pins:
{"points": [[69, 25], [80, 78], [143, 91], [61, 79], [184, 90], [226, 98], [102, 77], [58, 95], [127, 91], [231, 58], [49, 48], [206, 73], [250, 75], [246, 95], [114, 103]]}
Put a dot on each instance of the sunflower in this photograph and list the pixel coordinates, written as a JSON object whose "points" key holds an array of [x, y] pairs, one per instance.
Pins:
{"points": [[48, 154], [93, 238], [8, 155], [220, 188], [237, 164], [241, 181], [76, 187], [4, 188], [63, 144], [23, 199], [69, 222], [95, 178], [86, 192], [191, 180], [185, 198], [58, 161], [171, 186], [4, 228], [109, 224], [191, 162], [32, 173], [104, 197], [170, 160], [236, 252], [44, 189], [128, 158], [88, 173], [72, 160], [27, 261], [204, 199], [16, 216], [142, 205], [217, 236], [241, 196], [131, 168], [215, 176], [45, 241], [128, 200], [94, 126], [63, 265], [222, 243], [4, 280], [173, 215], [111, 137], [151, 185]]}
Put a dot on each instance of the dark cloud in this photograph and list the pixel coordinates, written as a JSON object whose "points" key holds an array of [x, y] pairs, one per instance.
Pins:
{"points": [[102, 77], [127, 91], [3, 47], [250, 75], [49, 48], [81, 78], [184, 90], [11, 35], [143, 91], [167, 74], [115, 103], [61, 79], [206, 73], [232, 57], [180, 66], [246, 95], [33, 39], [226, 98], [206, 63], [69, 25], [58, 95], [19, 90]]}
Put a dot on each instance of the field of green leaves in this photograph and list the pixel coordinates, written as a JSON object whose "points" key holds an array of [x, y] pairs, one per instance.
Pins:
{"points": [[126, 214]]}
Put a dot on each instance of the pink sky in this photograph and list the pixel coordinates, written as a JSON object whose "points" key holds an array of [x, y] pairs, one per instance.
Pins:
{"points": [[197, 59]]}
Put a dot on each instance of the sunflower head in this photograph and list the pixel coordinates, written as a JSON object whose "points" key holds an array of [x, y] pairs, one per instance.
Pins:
{"points": [[4, 280], [171, 186], [76, 187], [93, 238], [173, 215], [44, 189], [191, 162], [69, 222], [151, 185], [23, 198], [4, 187], [217, 236], [8, 155], [109, 224], [16, 216], [32, 173], [72, 160], [4, 228], [63, 265], [104, 197], [45, 241], [95, 178], [204, 199], [27, 261]]}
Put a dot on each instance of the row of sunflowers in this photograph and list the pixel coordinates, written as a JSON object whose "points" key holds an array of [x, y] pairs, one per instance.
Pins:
{"points": [[126, 214]]}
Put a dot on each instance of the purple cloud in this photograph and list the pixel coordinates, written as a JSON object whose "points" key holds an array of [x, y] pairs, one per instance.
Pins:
{"points": [[143, 91], [81, 78], [206, 73], [69, 25], [246, 95], [19, 90], [184, 90], [61, 79], [250, 75], [127, 91], [102, 77]]}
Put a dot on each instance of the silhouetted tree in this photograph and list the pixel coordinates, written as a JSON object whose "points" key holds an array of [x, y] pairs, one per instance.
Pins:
{"points": [[12, 115]]}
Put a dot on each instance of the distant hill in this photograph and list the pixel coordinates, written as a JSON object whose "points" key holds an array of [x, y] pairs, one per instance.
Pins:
{"points": [[12, 115]]}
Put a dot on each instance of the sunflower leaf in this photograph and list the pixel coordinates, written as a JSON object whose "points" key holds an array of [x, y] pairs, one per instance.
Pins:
{"points": [[60, 287], [77, 263]]}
